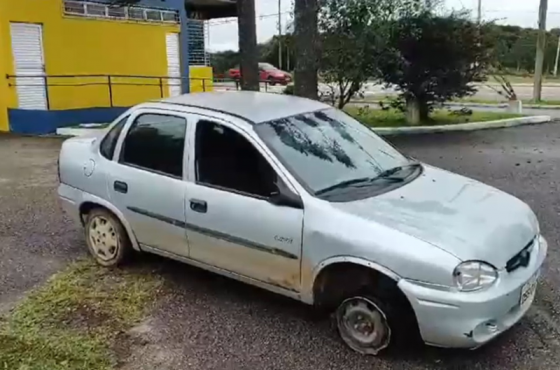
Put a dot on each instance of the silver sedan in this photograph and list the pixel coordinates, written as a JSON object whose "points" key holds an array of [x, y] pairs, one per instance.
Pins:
{"points": [[296, 197]]}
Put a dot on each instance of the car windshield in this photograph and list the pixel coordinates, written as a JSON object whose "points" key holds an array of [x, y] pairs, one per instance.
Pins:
{"points": [[267, 67], [327, 147]]}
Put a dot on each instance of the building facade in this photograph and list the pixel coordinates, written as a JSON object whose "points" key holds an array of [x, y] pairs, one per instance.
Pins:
{"points": [[64, 62]]}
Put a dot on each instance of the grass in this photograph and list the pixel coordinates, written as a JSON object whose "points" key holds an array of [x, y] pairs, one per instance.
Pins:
{"points": [[77, 320], [393, 118]]}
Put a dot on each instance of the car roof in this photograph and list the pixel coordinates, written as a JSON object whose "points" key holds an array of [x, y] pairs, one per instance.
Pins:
{"points": [[252, 106]]}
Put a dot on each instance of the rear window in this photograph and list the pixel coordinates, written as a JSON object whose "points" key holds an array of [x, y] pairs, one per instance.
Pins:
{"points": [[109, 143]]}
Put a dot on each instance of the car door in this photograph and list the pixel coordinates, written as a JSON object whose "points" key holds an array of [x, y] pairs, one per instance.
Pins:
{"points": [[146, 179], [263, 74], [231, 222]]}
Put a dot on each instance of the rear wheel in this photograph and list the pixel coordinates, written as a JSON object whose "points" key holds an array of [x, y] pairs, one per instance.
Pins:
{"points": [[106, 238]]}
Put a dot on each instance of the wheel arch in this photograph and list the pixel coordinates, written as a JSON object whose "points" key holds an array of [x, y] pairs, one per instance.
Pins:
{"points": [[327, 291], [90, 202], [333, 264]]}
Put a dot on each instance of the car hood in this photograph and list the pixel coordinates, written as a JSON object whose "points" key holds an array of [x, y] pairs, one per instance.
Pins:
{"points": [[464, 217]]}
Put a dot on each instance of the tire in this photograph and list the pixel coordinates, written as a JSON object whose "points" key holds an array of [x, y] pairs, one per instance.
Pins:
{"points": [[271, 81], [386, 324], [106, 238]]}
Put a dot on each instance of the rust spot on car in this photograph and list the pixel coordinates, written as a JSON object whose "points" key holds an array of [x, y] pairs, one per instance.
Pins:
{"points": [[290, 283]]}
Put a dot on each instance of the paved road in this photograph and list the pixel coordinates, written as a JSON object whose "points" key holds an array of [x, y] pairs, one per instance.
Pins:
{"points": [[209, 322], [35, 238]]}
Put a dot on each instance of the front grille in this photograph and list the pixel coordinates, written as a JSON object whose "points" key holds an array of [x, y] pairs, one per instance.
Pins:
{"points": [[522, 258]]}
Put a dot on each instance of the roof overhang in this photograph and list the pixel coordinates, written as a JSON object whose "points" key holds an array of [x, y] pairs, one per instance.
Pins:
{"points": [[210, 9]]}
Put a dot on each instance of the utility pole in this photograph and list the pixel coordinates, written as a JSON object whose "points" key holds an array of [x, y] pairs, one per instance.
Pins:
{"points": [[541, 44], [249, 63], [479, 16], [280, 34], [557, 56]]}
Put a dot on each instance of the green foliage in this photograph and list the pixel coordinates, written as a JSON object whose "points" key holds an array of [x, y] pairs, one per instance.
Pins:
{"points": [[353, 34], [515, 48], [269, 52], [289, 90], [432, 59], [224, 60]]}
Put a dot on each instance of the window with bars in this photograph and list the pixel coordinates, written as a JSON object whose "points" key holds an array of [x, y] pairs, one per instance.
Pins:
{"points": [[116, 12], [99, 10], [197, 43]]}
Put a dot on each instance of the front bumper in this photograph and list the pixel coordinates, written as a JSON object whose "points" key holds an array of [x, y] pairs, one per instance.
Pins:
{"points": [[468, 320]]}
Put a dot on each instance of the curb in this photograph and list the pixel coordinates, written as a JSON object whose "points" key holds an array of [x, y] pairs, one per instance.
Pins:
{"points": [[75, 131], [471, 126]]}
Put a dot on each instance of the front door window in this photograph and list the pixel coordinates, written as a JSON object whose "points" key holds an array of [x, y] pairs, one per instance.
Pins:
{"points": [[226, 160]]}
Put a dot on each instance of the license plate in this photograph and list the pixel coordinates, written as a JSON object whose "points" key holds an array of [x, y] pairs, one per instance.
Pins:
{"points": [[528, 292]]}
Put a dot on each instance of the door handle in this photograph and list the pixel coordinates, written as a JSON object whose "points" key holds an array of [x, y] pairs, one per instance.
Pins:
{"points": [[199, 206], [121, 187]]}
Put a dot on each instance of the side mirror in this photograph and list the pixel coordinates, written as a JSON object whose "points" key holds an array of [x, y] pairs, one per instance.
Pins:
{"points": [[284, 197]]}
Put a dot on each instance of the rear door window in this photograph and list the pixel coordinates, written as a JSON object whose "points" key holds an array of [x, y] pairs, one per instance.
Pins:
{"points": [[156, 142], [109, 143]]}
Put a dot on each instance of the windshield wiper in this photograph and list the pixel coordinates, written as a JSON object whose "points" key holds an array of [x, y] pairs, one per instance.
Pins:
{"points": [[344, 184], [387, 174]]}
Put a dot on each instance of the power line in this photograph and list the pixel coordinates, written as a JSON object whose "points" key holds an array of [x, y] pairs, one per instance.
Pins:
{"points": [[234, 20]]}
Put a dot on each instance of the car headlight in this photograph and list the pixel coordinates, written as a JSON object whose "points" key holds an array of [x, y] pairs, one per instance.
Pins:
{"points": [[474, 275]]}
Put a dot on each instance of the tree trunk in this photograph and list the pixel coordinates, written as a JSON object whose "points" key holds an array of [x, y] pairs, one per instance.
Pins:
{"points": [[306, 37], [413, 111], [248, 54]]}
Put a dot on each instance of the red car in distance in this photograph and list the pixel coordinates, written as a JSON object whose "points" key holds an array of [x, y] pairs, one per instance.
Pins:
{"points": [[267, 72]]}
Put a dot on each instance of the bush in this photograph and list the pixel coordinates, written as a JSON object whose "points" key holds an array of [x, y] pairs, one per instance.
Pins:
{"points": [[289, 90]]}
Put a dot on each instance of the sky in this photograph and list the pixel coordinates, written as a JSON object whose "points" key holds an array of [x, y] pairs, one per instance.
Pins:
{"points": [[222, 33]]}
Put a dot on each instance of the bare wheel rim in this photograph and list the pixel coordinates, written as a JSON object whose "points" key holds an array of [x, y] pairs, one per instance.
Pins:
{"points": [[103, 238], [363, 325]]}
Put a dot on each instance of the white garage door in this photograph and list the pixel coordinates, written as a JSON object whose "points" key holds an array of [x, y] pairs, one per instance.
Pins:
{"points": [[173, 63], [27, 46]]}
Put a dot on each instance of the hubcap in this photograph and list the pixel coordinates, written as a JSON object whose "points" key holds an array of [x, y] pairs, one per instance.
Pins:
{"points": [[363, 325], [103, 238]]}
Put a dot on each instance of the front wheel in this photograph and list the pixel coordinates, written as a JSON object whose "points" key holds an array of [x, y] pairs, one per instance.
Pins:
{"points": [[363, 325]]}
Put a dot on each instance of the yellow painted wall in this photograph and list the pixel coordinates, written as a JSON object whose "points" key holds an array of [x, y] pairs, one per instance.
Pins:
{"points": [[80, 46], [201, 79]]}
